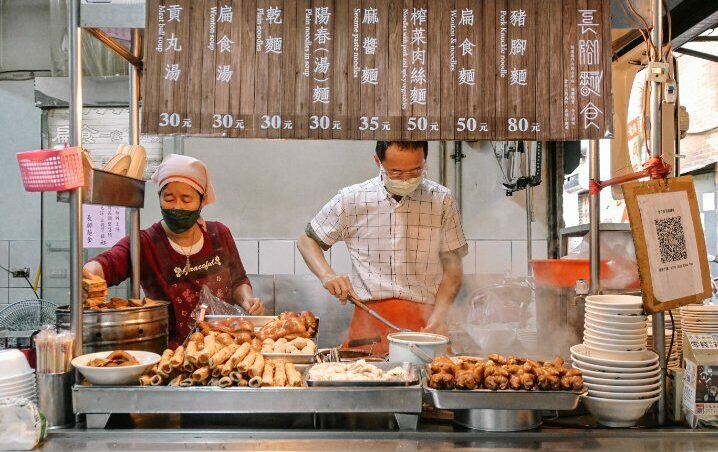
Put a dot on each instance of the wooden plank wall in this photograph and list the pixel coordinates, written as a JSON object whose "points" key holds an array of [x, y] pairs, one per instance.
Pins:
{"points": [[230, 80]]}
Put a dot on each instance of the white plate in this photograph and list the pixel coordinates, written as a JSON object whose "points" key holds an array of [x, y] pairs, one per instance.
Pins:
{"points": [[600, 368], [126, 375], [624, 395], [19, 393], [616, 412], [637, 326], [632, 319], [613, 340], [619, 336], [616, 359], [623, 389], [625, 301], [636, 381], [612, 348], [699, 308], [606, 329]]}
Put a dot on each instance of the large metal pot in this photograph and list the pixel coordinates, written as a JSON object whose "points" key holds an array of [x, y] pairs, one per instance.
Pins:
{"points": [[122, 329]]}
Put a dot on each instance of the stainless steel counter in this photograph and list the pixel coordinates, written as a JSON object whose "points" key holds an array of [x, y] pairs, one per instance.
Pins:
{"points": [[168, 433]]}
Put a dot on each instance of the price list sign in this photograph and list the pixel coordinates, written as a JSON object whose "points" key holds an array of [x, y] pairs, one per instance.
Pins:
{"points": [[378, 69]]}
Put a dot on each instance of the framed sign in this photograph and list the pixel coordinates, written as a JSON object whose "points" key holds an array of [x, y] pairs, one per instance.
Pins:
{"points": [[669, 241], [378, 69]]}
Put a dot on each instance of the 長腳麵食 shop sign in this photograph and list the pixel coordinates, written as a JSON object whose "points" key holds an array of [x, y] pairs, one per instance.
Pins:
{"points": [[381, 69]]}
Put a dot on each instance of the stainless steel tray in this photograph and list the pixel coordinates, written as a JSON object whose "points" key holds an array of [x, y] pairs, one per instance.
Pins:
{"points": [[484, 399], [259, 321], [99, 402], [385, 366]]}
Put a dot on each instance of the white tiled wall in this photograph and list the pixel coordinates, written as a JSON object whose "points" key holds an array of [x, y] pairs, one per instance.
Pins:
{"points": [[269, 257], [24, 253], [3, 295], [4, 258]]}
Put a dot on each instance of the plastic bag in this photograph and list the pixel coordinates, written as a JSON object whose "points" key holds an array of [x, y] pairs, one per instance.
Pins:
{"points": [[22, 426], [618, 251], [213, 306]]}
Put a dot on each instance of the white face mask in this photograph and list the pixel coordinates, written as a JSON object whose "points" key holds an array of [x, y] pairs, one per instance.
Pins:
{"points": [[400, 187]]}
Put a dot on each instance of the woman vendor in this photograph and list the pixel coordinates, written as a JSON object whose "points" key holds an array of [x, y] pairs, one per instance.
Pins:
{"points": [[182, 253]]}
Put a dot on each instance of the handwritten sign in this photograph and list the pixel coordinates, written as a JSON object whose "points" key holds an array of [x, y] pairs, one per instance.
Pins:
{"points": [[103, 226], [378, 69]]}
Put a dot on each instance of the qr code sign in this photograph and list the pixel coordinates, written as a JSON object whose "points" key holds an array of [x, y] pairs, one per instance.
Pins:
{"points": [[671, 239]]}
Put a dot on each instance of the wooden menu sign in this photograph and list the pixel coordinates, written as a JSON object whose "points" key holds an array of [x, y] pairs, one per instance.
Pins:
{"points": [[378, 69], [670, 247]]}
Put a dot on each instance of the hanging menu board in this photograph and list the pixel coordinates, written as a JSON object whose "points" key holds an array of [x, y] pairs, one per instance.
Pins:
{"points": [[378, 69]]}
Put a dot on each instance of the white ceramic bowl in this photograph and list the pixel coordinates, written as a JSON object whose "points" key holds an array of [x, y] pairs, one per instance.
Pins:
{"points": [[613, 311], [611, 378], [607, 347], [625, 395], [602, 368], [616, 340], [113, 376], [618, 413], [624, 301], [624, 389], [632, 319], [15, 378], [19, 393], [623, 359], [18, 385], [616, 356], [615, 336], [631, 328], [592, 326], [699, 308], [13, 363], [25, 380]]}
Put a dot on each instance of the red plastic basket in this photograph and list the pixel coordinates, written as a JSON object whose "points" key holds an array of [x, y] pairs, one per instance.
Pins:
{"points": [[52, 169]]}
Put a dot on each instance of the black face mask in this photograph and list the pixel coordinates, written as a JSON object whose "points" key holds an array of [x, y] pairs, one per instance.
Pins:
{"points": [[178, 220]]}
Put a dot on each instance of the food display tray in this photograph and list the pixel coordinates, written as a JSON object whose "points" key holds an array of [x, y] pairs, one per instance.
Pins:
{"points": [[259, 321], [413, 378], [484, 399], [99, 402]]}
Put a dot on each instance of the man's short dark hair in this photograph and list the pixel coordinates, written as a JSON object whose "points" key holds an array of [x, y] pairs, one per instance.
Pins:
{"points": [[382, 146]]}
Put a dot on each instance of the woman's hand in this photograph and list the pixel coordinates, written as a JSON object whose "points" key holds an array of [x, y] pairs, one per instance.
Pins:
{"points": [[253, 306]]}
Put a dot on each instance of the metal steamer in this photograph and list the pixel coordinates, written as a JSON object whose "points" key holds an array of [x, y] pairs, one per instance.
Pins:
{"points": [[142, 328]]}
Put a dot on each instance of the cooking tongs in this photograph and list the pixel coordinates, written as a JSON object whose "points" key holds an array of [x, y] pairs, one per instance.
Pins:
{"points": [[374, 314]]}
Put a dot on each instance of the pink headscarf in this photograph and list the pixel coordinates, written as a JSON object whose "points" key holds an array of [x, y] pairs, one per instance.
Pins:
{"points": [[189, 170]]}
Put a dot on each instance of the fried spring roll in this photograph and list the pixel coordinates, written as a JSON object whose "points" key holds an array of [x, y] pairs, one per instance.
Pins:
{"points": [[222, 355], [164, 367], [242, 383], [236, 376], [197, 338], [217, 372], [187, 382], [225, 339], [240, 354], [177, 358], [213, 382], [256, 344], [268, 374], [280, 374], [255, 382], [247, 361], [145, 380], [294, 378], [190, 356], [177, 380], [226, 369], [201, 374], [257, 367], [225, 382], [210, 348], [156, 380]]}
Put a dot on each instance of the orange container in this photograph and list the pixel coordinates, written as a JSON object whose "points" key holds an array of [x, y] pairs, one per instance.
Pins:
{"points": [[565, 272]]}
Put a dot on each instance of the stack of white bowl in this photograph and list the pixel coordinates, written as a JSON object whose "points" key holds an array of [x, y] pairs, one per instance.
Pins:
{"points": [[614, 323], [17, 378], [700, 318], [674, 360], [622, 377]]}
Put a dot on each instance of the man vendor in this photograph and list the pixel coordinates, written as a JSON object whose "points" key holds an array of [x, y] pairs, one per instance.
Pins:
{"points": [[405, 240]]}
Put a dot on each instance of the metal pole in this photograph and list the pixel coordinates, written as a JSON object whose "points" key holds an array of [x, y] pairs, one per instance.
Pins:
{"points": [[133, 214], [529, 212], [75, 72], [458, 157], [676, 117], [594, 214], [655, 105]]}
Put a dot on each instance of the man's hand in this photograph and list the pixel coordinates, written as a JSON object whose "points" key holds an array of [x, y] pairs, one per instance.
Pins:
{"points": [[253, 306], [437, 323], [340, 286]]}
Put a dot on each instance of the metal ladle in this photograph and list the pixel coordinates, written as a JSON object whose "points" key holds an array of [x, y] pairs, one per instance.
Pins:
{"points": [[376, 315]]}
